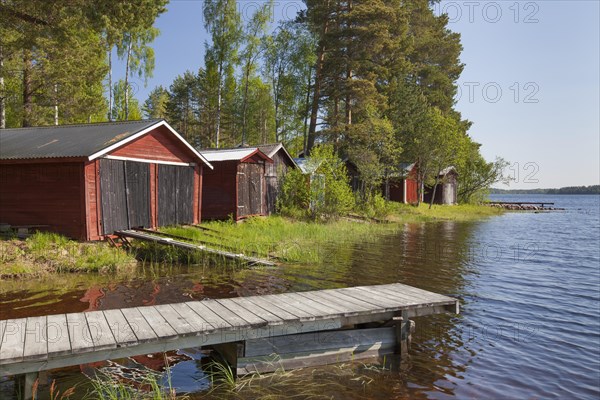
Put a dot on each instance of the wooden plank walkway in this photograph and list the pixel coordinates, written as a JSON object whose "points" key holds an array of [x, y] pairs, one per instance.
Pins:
{"points": [[193, 247], [54, 341]]}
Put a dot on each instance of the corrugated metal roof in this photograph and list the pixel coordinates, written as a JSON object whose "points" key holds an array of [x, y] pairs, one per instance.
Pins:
{"points": [[307, 165], [227, 154], [271, 149], [447, 170], [66, 140], [406, 167]]}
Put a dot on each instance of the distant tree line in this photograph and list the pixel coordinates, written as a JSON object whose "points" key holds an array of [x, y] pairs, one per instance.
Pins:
{"points": [[374, 79], [592, 189]]}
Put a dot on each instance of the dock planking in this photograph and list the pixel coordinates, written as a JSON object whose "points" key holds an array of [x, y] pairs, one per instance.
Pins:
{"points": [[46, 342]]}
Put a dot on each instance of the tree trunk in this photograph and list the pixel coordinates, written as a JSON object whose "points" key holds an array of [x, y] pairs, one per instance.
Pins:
{"points": [[55, 104], [433, 194], [245, 102], [421, 173], [2, 93], [110, 86], [27, 94], [348, 81], [307, 109], [277, 99], [312, 129], [219, 99], [127, 79]]}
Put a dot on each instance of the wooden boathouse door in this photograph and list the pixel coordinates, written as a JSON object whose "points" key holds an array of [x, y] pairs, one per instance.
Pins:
{"points": [[256, 188], [250, 189], [125, 195], [175, 195]]}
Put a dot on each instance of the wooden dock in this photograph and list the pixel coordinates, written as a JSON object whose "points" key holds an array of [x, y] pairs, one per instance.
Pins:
{"points": [[155, 238], [38, 343]]}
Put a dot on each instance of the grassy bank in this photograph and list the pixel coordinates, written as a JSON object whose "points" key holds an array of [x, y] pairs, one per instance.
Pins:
{"points": [[276, 237], [306, 241], [44, 253], [463, 212]]}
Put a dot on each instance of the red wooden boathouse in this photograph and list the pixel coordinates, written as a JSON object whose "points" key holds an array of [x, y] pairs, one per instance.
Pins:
{"points": [[87, 181], [404, 188], [236, 187]]}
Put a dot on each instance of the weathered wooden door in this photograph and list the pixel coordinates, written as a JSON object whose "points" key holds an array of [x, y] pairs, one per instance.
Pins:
{"points": [[243, 201], [175, 195], [255, 190], [137, 187], [250, 189], [125, 195]]}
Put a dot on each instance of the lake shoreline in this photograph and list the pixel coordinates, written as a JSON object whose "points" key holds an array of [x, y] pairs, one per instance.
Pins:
{"points": [[282, 239]]}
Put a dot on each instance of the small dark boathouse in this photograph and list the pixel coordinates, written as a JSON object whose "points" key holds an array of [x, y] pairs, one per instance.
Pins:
{"points": [[236, 187]]}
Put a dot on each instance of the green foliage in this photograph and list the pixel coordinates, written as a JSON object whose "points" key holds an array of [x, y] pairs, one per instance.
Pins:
{"points": [[223, 22], [156, 104], [375, 206], [476, 175], [288, 60], [330, 193], [294, 196], [54, 56], [125, 107]]}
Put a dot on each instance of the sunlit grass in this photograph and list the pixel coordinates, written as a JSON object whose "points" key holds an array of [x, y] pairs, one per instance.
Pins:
{"points": [[422, 213], [110, 388], [302, 241], [283, 239], [44, 253]]}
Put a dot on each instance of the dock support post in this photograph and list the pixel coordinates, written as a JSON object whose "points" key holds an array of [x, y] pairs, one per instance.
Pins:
{"points": [[403, 334], [230, 352], [26, 383]]}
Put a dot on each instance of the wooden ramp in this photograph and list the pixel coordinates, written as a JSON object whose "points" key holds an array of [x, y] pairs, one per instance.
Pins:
{"points": [[133, 234], [55, 341]]}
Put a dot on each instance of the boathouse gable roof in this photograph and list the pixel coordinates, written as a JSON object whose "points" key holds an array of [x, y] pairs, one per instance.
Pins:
{"points": [[89, 141], [236, 154]]}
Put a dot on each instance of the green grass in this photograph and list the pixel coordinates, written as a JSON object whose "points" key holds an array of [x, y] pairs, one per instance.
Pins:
{"points": [[109, 388], [422, 213], [44, 253], [301, 241], [281, 238]]}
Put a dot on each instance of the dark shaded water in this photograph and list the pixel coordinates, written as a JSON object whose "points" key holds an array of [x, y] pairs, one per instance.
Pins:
{"points": [[529, 325]]}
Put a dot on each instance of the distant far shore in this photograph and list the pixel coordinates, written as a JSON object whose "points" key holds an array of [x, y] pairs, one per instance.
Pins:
{"points": [[592, 189]]}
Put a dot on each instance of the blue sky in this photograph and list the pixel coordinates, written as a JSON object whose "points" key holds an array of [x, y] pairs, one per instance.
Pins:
{"points": [[531, 84]]}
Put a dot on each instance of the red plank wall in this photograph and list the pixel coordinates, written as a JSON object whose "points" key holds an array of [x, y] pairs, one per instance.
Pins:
{"points": [[219, 190], [44, 194], [158, 144]]}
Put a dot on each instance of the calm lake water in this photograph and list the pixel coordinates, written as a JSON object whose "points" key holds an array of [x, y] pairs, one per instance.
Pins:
{"points": [[529, 327]]}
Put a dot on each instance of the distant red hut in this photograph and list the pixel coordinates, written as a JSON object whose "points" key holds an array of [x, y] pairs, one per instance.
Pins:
{"points": [[275, 171], [236, 187], [404, 188], [88, 181]]}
